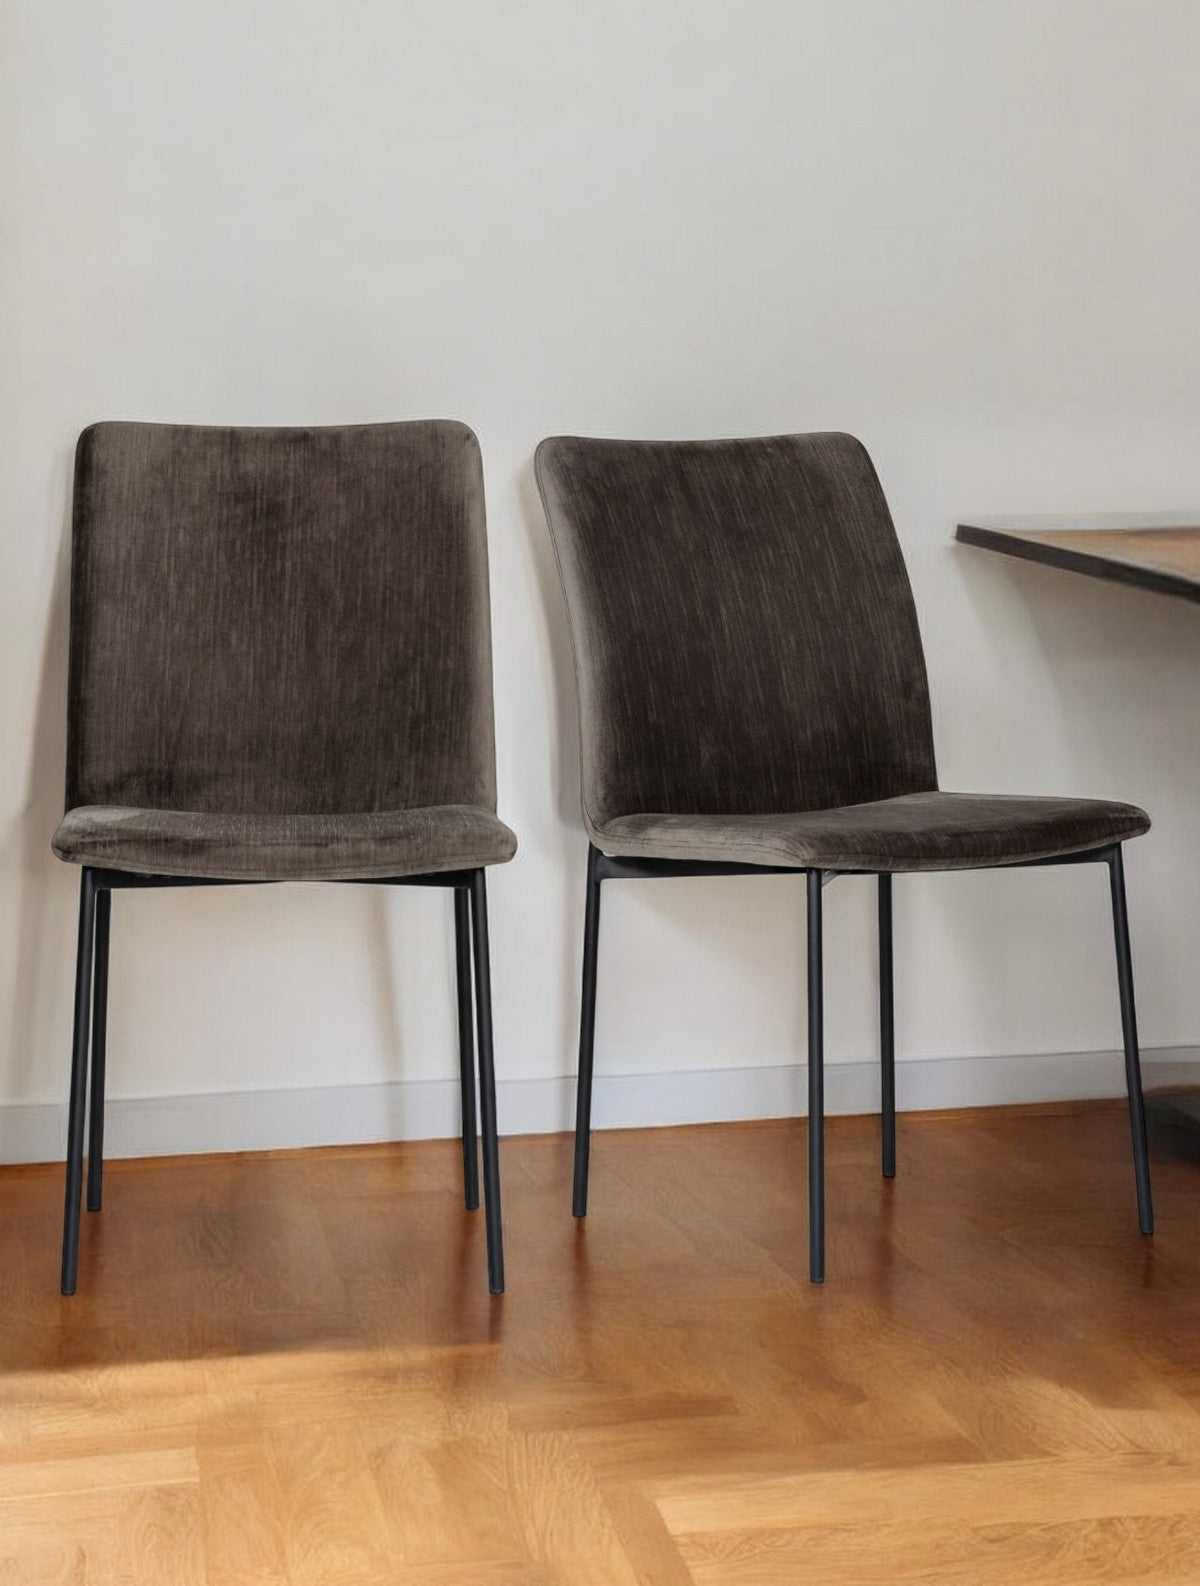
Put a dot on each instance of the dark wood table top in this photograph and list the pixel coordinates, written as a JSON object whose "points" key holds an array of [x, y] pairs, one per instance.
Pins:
{"points": [[1165, 560]]}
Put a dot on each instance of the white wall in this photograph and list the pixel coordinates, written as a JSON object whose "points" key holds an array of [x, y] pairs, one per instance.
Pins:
{"points": [[967, 232]]}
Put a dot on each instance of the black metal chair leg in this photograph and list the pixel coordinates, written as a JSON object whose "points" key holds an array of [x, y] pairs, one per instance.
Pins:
{"points": [[887, 1027], [1133, 1069], [587, 1033], [487, 1084], [79, 1074], [95, 1165], [466, 1046], [816, 1084]]}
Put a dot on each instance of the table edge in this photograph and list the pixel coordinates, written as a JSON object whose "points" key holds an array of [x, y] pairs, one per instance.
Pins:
{"points": [[1009, 543]]}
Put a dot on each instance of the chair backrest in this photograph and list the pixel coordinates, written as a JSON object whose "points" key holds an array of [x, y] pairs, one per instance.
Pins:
{"points": [[744, 631], [280, 621]]}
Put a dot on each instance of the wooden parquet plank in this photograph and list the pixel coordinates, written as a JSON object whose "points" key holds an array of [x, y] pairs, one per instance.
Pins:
{"points": [[107, 1472], [1116, 1551], [993, 1492], [135, 1535], [448, 1497], [567, 1525], [159, 1537], [333, 1521], [242, 1513], [647, 1544]]}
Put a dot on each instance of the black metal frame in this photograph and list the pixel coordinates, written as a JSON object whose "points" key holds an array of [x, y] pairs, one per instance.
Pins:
{"points": [[602, 867], [91, 987]]}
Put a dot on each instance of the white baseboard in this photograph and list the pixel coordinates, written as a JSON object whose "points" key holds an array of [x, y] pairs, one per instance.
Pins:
{"points": [[259, 1120]]}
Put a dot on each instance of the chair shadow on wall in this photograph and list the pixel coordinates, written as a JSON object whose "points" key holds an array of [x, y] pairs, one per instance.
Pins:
{"points": [[1093, 636], [561, 714], [38, 1051]]}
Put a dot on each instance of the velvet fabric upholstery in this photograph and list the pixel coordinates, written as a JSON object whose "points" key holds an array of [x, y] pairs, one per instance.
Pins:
{"points": [[751, 680], [280, 653], [919, 831], [276, 847]]}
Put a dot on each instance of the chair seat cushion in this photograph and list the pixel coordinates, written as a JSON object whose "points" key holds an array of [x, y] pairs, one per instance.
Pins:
{"points": [[919, 831], [284, 847]]}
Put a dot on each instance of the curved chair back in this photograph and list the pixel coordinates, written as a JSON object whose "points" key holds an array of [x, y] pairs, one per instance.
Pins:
{"points": [[280, 621], [745, 635]]}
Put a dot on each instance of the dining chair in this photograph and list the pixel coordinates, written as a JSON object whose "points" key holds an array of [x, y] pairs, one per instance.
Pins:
{"points": [[753, 701], [280, 670]]}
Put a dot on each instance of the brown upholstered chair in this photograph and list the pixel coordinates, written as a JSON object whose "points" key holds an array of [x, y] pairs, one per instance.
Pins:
{"points": [[280, 671], [753, 700]]}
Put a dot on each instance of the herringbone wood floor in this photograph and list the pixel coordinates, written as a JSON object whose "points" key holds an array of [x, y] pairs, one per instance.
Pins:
{"points": [[288, 1369]]}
